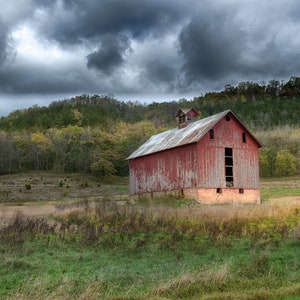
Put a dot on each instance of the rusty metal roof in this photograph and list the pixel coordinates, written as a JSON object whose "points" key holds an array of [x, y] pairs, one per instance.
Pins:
{"points": [[178, 137]]}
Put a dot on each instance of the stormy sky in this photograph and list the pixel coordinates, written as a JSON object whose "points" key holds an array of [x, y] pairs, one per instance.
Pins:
{"points": [[150, 50]]}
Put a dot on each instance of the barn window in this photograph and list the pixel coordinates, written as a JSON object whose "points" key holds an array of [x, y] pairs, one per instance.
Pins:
{"points": [[219, 191], [227, 118], [244, 137], [181, 119], [241, 191], [211, 134], [229, 167]]}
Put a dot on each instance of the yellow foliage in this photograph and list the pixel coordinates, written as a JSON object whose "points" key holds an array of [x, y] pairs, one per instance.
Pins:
{"points": [[40, 140]]}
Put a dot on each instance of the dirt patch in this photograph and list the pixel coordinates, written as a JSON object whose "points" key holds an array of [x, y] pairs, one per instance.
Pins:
{"points": [[28, 211], [7, 213]]}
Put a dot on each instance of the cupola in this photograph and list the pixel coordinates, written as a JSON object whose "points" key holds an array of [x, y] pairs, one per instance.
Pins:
{"points": [[186, 116]]}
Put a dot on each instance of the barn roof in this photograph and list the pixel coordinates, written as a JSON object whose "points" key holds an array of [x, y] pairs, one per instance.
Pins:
{"points": [[186, 111], [178, 137]]}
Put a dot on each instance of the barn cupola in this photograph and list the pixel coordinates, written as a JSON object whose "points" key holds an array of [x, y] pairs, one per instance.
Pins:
{"points": [[185, 117]]}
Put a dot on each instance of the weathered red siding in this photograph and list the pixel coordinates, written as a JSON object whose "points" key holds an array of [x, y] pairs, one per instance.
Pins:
{"points": [[174, 169], [211, 155]]}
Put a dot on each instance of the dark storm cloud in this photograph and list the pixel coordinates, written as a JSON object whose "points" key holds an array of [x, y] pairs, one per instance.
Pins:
{"points": [[146, 47], [112, 24], [234, 43], [160, 72], [39, 81], [212, 45], [77, 20], [110, 53], [3, 42], [6, 51]]}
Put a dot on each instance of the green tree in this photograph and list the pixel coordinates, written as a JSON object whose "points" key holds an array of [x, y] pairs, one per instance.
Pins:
{"points": [[285, 163], [7, 154], [41, 150], [68, 144], [105, 154], [21, 143], [267, 161]]}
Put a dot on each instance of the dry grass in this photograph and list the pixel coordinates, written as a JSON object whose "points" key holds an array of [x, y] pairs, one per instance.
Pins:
{"points": [[220, 213], [112, 223], [34, 187], [213, 276]]}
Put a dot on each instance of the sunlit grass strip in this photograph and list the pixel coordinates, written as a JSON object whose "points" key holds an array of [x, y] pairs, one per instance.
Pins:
{"points": [[267, 193]]}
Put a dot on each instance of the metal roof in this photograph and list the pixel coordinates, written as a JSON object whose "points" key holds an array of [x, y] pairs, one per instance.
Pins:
{"points": [[178, 137]]}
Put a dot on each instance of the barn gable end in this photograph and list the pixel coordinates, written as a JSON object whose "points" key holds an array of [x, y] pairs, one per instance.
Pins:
{"points": [[213, 160]]}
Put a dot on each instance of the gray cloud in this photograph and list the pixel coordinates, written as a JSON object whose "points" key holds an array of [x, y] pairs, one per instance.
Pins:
{"points": [[76, 20], [146, 47], [40, 81], [110, 53], [212, 46], [5, 48]]}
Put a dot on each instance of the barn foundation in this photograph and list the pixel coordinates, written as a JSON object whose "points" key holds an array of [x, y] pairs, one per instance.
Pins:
{"points": [[224, 195], [211, 196]]}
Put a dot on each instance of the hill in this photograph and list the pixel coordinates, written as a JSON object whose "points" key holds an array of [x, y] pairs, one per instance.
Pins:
{"points": [[94, 134], [260, 106]]}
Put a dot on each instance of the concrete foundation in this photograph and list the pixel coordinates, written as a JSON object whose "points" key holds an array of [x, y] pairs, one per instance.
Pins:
{"points": [[224, 195], [212, 196]]}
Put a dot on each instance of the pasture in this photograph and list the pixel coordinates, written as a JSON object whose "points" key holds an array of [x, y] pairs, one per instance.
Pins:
{"points": [[70, 236]]}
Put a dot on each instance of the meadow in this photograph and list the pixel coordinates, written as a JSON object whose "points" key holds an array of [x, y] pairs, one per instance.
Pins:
{"points": [[97, 244]]}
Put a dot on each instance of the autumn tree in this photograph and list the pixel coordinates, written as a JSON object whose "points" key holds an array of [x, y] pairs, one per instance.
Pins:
{"points": [[285, 164], [105, 153], [40, 150], [7, 154], [71, 148]]}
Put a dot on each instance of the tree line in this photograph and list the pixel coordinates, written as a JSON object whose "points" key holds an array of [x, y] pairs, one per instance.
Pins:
{"points": [[95, 134], [74, 148]]}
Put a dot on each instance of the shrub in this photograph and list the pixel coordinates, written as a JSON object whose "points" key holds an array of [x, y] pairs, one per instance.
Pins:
{"points": [[285, 164], [28, 186]]}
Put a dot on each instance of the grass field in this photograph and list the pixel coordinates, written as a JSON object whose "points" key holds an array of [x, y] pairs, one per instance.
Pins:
{"points": [[103, 247]]}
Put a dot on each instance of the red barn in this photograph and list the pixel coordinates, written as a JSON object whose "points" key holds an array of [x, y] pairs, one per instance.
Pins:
{"points": [[212, 160]]}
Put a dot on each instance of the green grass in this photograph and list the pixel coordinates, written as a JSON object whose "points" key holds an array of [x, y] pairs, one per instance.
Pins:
{"points": [[68, 269], [279, 187], [267, 193]]}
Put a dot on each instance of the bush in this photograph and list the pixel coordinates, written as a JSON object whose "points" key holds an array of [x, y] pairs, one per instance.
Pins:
{"points": [[28, 186], [285, 164]]}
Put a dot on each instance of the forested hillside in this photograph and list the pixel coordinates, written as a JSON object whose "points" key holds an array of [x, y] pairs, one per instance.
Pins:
{"points": [[95, 134]]}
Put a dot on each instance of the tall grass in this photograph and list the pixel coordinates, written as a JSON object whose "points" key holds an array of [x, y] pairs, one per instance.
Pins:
{"points": [[20, 228], [112, 222]]}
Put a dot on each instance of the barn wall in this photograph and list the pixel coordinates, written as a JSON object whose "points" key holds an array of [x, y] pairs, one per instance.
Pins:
{"points": [[211, 155], [174, 169]]}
